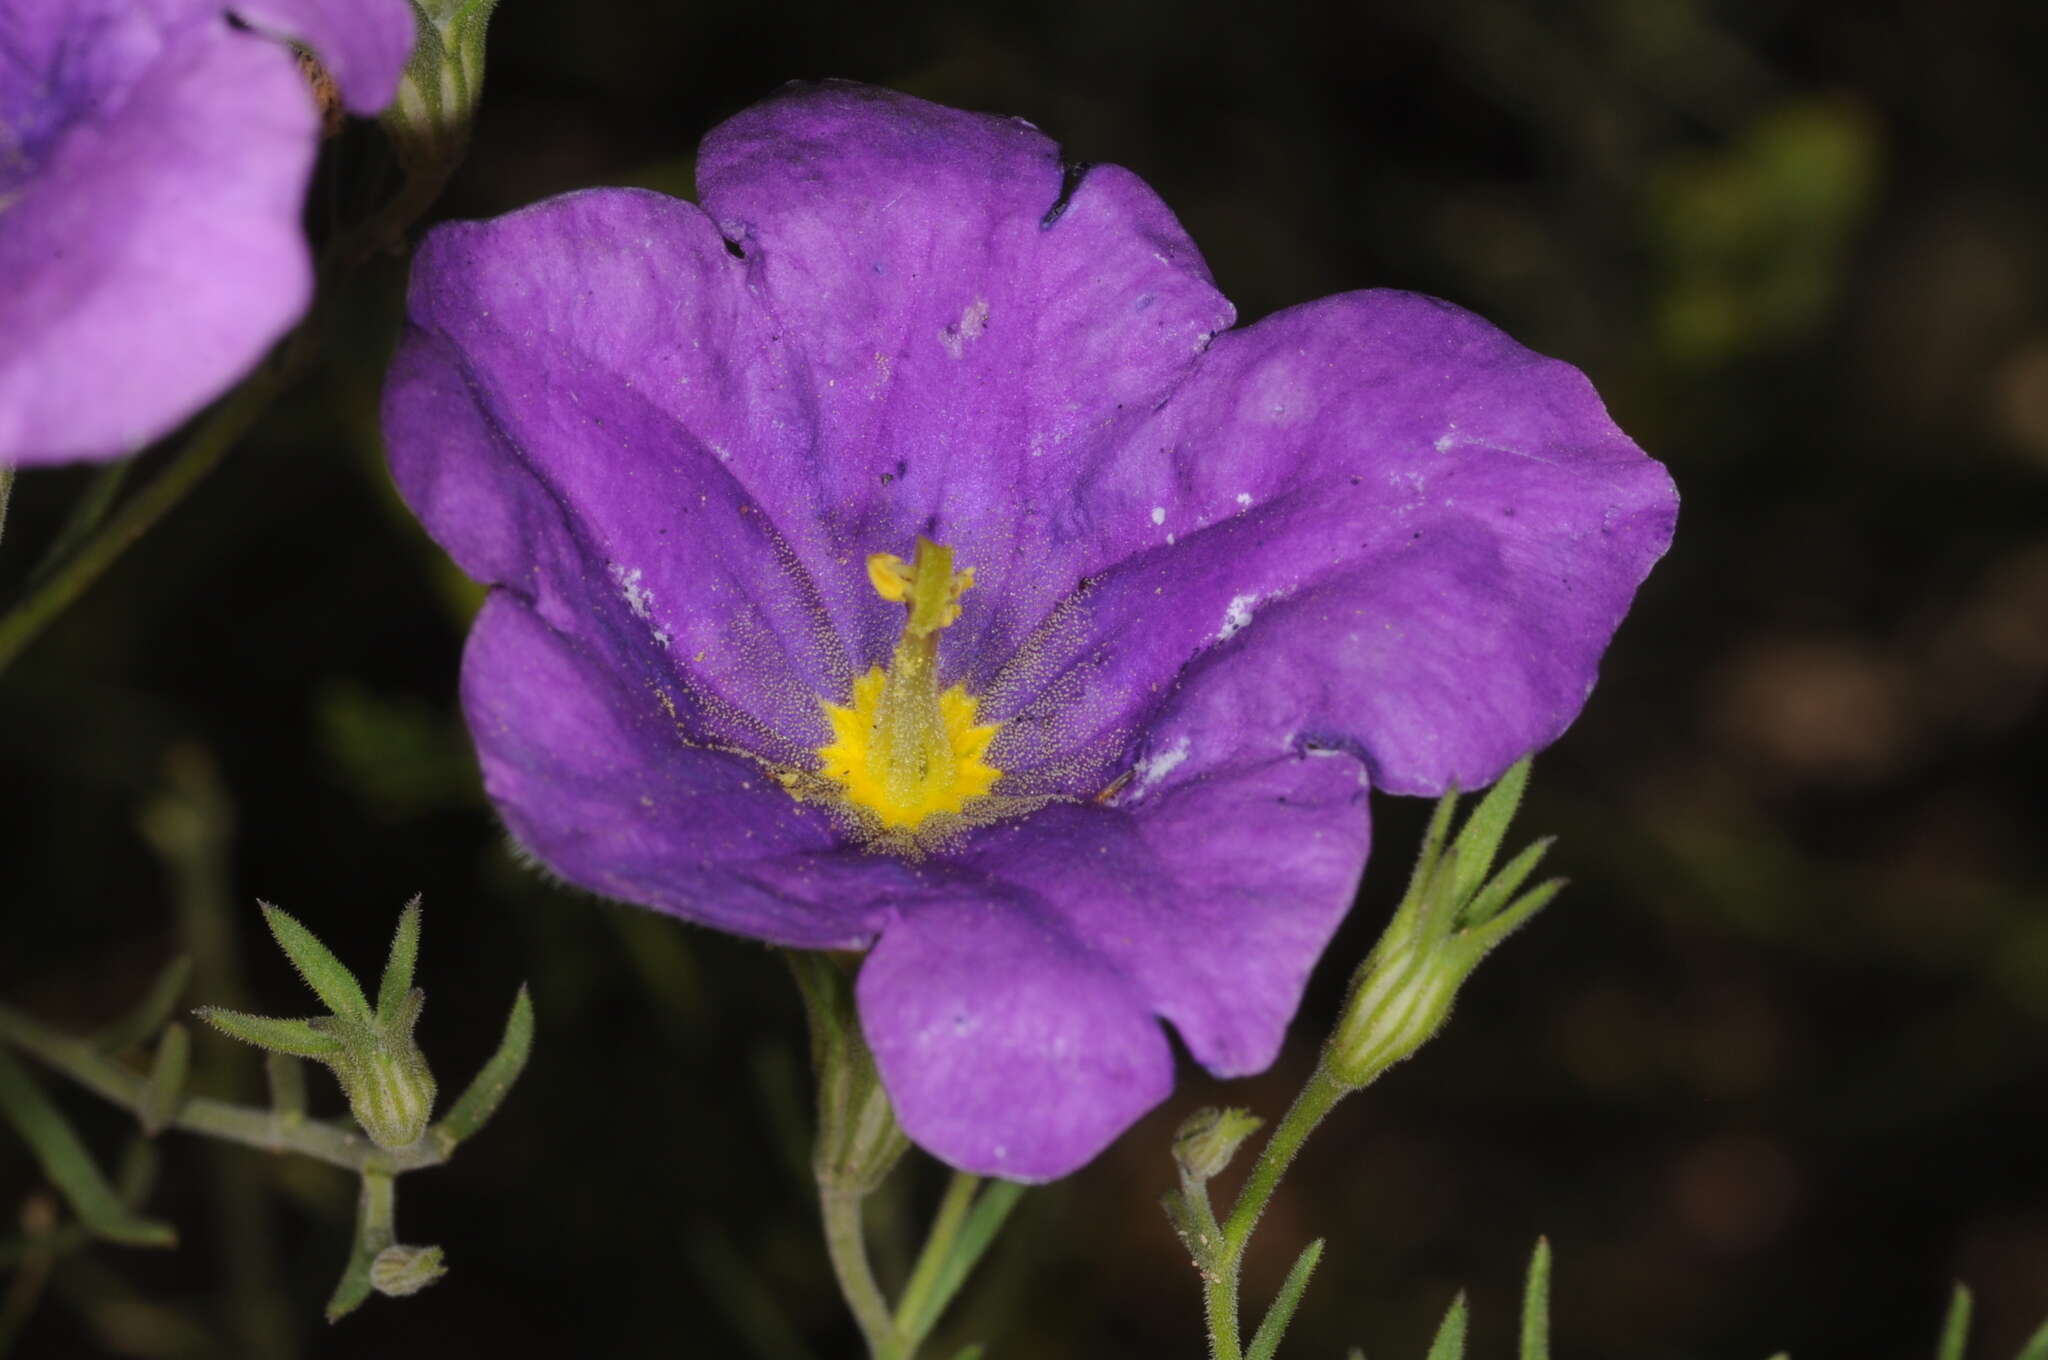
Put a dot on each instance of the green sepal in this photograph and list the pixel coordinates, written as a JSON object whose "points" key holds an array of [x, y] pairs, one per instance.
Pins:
{"points": [[332, 983], [1266, 1341], [1536, 1304], [1487, 903], [1472, 854], [395, 990], [151, 1012], [1208, 1139], [1450, 1334], [400, 1271], [299, 1038], [63, 1157], [1955, 1328], [487, 1091]]}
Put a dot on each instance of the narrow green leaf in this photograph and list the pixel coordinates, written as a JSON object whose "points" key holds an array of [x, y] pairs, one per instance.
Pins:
{"points": [[63, 1158], [375, 1208], [1479, 839], [300, 1038], [1782, 1355], [481, 1100], [151, 1012], [332, 983], [165, 1090], [405, 951], [1506, 883], [2036, 1347], [983, 1222], [1450, 1336], [1266, 1341], [973, 1351], [1536, 1304], [1955, 1328]]}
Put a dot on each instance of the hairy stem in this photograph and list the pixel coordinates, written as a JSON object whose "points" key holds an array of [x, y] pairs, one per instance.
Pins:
{"points": [[847, 1244], [1220, 1281], [251, 1126]]}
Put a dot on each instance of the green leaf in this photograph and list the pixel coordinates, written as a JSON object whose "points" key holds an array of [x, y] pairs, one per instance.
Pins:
{"points": [[972, 1351], [2036, 1347], [165, 1090], [480, 1101], [300, 1038], [983, 1222], [376, 1205], [332, 983], [1479, 840], [1536, 1304], [1955, 1328], [1450, 1336], [151, 1012], [63, 1158], [396, 986], [1266, 1341]]}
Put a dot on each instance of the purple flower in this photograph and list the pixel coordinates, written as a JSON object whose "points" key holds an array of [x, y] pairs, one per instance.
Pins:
{"points": [[903, 551], [153, 165]]}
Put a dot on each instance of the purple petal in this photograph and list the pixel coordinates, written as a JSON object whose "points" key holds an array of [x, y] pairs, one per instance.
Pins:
{"points": [[1383, 527], [602, 788], [153, 164], [563, 417], [975, 325], [153, 252], [363, 44], [1014, 1023]]}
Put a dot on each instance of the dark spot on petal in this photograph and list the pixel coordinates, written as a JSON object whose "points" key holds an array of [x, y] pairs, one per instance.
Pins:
{"points": [[902, 467], [1356, 479], [888, 477], [734, 249], [1071, 175]]}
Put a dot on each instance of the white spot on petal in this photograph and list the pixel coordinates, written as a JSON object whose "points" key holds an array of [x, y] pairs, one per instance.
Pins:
{"points": [[1244, 500], [1159, 514], [1237, 615], [638, 599], [1158, 765]]}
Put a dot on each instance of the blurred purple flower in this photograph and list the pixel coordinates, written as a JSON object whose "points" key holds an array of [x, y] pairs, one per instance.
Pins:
{"points": [[153, 165], [1221, 580]]}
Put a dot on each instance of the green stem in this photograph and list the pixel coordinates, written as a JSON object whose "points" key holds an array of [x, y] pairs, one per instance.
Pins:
{"points": [[847, 1244], [6, 489], [251, 1126], [210, 443], [51, 593], [1220, 1281], [938, 1248]]}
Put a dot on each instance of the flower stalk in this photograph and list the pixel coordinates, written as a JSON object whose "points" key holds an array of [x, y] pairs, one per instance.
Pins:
{"points": [[1455, 911]]}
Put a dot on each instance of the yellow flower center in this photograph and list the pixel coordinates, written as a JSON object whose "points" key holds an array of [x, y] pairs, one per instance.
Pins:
{"points": [[902, 751]]}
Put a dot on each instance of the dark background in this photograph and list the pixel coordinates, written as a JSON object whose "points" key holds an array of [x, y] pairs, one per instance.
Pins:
{"points": [[1771, 1074]]}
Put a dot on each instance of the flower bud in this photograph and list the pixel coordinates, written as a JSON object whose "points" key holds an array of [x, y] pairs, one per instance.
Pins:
{"points": [[390, 1089], [398, 1270], [1209, 1138], [429, 120]]}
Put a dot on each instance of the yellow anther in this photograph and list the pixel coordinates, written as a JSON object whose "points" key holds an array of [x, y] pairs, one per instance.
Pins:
{"points": [[903, 751]]}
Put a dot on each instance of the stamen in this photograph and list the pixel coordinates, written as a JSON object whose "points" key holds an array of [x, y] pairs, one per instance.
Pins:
{"points": [[902, 751]]}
